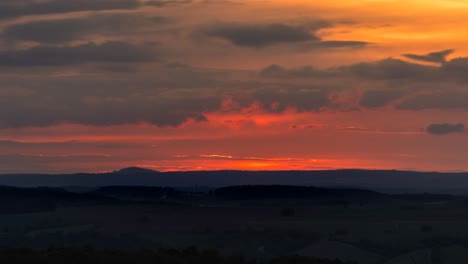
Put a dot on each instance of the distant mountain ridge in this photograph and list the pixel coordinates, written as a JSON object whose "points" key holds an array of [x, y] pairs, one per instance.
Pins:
{"points": [[378, 180], [135, 170]]}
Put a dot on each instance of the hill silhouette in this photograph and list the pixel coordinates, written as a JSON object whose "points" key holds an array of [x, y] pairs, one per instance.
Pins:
{"points": [[391, 181], [136, 171]]}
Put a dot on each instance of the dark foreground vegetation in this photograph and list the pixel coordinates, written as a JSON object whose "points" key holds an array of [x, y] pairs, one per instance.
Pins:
{"points": [[164, 256], [15, 200], [260, 223]]}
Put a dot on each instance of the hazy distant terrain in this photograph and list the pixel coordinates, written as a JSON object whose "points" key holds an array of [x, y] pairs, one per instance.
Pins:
{"points": [[391, 181]]}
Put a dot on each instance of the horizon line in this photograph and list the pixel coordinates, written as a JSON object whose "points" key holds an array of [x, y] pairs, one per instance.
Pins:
{"points": [[238, 170]]}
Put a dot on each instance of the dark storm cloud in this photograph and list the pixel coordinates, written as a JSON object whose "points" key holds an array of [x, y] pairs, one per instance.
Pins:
{"points": [[444, 129], [18, 8], [261, 35], [436, 57], [112, 51], [64, 30]]}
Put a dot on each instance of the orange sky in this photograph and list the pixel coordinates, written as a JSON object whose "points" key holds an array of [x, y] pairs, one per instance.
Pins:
{"points": [[395, 27], [248, 85]]}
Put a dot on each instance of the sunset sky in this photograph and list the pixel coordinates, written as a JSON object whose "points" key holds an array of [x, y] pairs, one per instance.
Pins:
{"points": [[98, 85]]}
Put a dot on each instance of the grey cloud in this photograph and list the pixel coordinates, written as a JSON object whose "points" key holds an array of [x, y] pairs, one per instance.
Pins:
{"points": [[389, 69], [44, 110], [436, 57], [455, 70], [444, 129], [112, 51], [394, 69], [163, 3], [302, 100], [436, 99], [336, 44], [64, 30], [110, 99], [265, 35], [343, 43], [302, 72], [171, 94], [379, 98], [261, 35], [18, 8], [411, 86]]}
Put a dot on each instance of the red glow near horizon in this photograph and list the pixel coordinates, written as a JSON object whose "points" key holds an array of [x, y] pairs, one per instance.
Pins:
{"points": [[238, 139]]}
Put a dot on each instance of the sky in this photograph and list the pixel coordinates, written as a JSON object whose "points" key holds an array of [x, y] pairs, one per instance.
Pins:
{"points": [[99, 85]]}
